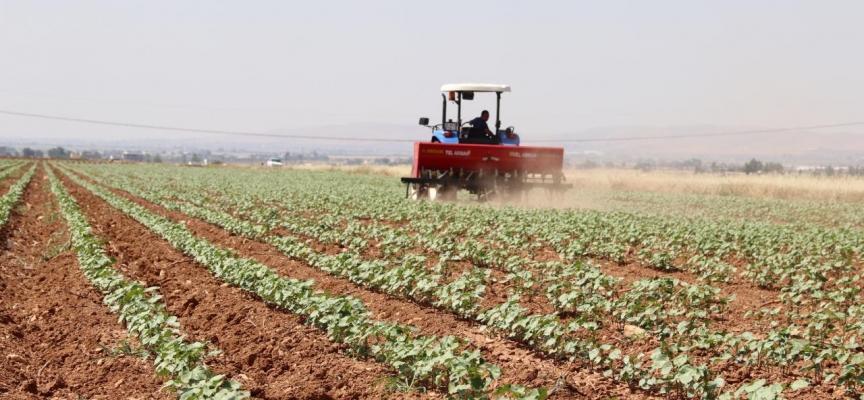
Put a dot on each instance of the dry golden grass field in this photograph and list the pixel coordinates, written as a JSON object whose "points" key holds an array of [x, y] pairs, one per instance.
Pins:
{"points": [[783, 187]]}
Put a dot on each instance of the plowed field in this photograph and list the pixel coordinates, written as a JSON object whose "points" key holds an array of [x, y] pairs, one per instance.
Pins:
{"points": [[150, 281]]}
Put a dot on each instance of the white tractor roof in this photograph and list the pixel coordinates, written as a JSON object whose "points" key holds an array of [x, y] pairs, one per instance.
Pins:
{"points": [[474, 87]]}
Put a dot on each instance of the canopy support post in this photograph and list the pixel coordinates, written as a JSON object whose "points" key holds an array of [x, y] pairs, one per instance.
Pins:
{"points": [[459, 108], [497, 113], [443, 110]]}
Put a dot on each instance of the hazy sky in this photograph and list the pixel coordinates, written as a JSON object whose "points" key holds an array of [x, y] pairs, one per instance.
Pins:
{"points": [[258, 66]]}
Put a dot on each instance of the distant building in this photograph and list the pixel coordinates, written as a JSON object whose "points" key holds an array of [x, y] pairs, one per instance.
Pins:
{"points": [[133, 157]]}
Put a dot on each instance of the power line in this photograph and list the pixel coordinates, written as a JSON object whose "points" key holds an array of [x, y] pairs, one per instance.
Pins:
{"points": [[187, 107], [218, 132], [363, 139], [801, 128]]}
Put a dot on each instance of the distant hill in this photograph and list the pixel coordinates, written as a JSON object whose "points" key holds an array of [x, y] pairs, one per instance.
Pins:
{"points": [[837, 146], [799, 145], [793, 145]]}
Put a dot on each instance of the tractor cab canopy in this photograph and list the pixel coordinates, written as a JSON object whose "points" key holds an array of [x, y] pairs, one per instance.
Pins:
{"points": [[465, 91], [459, 131], [475, 87]]}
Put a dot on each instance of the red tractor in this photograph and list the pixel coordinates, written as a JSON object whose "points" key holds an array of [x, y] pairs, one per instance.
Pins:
{"points": [[488, 163]]}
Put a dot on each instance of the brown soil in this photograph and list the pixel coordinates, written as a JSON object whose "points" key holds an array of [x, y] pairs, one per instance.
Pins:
{"points": [[57, 339], [519, 365], [270, 352], [497, 288], [747, 296]]}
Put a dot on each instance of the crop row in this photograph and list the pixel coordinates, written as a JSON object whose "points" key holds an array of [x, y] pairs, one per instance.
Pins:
{"points": [[544, 332], [817, 328], [143, 313], [8, 169], [769, 253], [8, 201], [424, 361], [778, 254], [527, 277], [500, 248]]}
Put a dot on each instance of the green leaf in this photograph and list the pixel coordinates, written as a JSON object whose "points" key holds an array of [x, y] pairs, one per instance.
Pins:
{"points": [[799, 384]]}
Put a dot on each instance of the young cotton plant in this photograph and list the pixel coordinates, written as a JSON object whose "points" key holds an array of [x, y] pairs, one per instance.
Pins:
{"points": [[426, 361], [14, 194], [9, 169], [543, 332], [142, 312], [587, 302]]}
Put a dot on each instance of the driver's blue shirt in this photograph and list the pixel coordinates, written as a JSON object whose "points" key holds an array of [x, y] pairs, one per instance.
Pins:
{"points": [[479, 123]]}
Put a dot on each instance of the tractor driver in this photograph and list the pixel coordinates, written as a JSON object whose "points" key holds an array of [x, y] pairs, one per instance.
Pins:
{"points": [[480, 123]]}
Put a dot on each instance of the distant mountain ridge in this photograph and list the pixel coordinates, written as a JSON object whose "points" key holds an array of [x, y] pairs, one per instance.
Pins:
{"points": [[803, 144], [835, 145], [788, 144]]}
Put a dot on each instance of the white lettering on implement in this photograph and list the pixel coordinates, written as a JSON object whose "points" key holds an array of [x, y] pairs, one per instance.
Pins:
{"points": [[457, 152], [516, 154]]}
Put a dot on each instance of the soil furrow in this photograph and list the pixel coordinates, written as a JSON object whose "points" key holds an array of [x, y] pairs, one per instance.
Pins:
{"points": [[270, 352], [519, 365], [57, 339]]}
